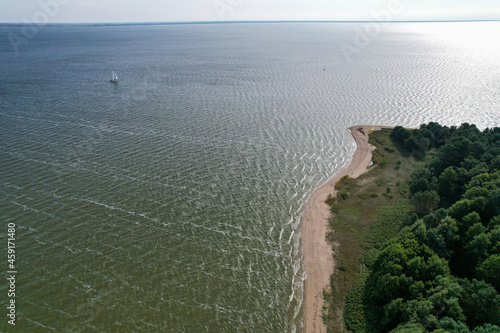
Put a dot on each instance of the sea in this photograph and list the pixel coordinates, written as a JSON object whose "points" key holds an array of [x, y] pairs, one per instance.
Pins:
{"points": [[171, 200]]}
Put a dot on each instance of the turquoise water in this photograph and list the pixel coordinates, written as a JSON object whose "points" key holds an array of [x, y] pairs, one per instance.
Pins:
{"points": [[171, 201]]}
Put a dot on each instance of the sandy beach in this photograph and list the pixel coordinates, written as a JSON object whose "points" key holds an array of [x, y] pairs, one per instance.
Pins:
{"points": [[318, 254]]}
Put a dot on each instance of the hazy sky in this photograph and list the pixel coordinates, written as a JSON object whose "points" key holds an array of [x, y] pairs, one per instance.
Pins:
{"points": [[64, 11]]}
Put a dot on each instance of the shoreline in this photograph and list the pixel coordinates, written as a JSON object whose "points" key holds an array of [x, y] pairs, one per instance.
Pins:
{"points": [[317, 253]]}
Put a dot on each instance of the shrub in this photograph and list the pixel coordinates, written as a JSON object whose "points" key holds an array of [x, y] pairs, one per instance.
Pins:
{"points": [[362, 195], [330, 200], [388, 195]]}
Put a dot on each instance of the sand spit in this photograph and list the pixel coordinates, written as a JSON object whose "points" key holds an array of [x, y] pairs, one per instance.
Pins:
{"points": [[318, 254]]}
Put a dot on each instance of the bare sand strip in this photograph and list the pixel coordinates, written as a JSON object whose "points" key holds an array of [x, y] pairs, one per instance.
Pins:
{"points": [[318, 254]]}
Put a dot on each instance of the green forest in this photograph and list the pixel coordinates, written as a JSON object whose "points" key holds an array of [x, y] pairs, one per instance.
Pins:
{"points": [[441, 272]]}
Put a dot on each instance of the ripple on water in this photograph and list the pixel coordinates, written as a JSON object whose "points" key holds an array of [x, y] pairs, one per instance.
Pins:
{"points": [[173, 203]]}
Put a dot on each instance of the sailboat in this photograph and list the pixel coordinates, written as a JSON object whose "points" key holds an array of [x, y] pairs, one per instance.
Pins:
{"points": [[115, 78]]}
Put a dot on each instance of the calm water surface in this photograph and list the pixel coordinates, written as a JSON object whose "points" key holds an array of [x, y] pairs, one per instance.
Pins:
{"points": [[171, 201]]}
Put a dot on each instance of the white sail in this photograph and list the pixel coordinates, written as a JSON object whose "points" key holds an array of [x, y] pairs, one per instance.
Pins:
{"points": [[114, 77]]}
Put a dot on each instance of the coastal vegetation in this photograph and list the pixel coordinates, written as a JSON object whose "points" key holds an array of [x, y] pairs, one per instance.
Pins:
{"points": [[418, 235]]}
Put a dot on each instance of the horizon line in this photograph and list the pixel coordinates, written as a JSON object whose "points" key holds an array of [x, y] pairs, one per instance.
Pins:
{"points": [[16, 24]]}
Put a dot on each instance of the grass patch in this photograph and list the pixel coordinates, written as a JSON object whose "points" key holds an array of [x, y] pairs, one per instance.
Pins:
{"points": [[366, 216], [389, 221], [354, 311]]}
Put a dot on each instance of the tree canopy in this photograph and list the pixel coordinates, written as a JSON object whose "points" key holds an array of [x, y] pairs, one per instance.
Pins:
{"points": [[442, 273]]}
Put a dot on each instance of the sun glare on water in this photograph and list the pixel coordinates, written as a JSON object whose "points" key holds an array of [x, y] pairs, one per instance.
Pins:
{"points": [[478, 36]]}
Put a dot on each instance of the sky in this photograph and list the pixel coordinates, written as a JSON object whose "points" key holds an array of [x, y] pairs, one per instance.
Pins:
{"points": [[115, 11]]}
